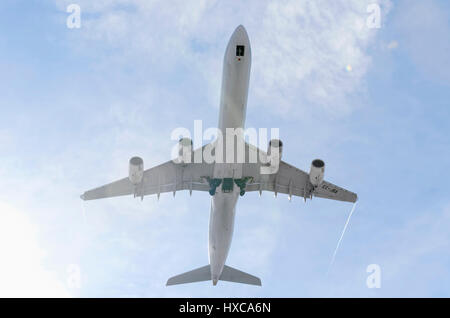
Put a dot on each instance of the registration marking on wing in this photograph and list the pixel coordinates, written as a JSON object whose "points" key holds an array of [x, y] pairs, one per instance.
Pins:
{"points": [[328, 188]]}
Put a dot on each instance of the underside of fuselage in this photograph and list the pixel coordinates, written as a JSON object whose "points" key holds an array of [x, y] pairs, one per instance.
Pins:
{"points": [[233, 104], [227, 183], [221, 225]]}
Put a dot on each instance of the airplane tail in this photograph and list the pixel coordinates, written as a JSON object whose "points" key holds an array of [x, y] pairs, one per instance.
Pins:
{"points": [[202, 274]]}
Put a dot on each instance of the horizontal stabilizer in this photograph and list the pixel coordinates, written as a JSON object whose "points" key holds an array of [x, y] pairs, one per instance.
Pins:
{"points": [[197, 275], [202, 274], [231, 274]]}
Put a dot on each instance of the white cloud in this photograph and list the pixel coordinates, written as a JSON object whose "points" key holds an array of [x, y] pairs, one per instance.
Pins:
{"points": [[302, 52], [300, 48], [22, 272]]}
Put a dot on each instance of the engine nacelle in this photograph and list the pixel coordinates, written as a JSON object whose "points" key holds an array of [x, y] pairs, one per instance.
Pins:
{"points": [[136, 170], [184, 150], [275, 150], [317, 172]]}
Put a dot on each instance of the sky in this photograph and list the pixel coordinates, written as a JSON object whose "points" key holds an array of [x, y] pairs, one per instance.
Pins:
{"points": [[77, 103]]}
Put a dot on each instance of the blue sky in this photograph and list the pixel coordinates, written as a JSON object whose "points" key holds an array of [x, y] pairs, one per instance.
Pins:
{"points": [[78, 103]]}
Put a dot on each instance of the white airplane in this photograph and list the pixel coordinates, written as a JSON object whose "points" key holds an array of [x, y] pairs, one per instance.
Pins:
{"points": [[224, 181]]}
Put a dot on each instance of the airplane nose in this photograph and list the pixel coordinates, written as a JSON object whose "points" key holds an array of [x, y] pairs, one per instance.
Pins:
{"points": [[241, 29], [241, 33]]}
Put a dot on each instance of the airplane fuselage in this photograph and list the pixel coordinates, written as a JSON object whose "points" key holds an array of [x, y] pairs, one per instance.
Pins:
{"points": [[233, 104]]}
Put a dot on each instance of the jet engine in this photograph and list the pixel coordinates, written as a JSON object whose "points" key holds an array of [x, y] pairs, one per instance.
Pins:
{"points": [[317, 172], [275, 150], [185, 150], [136, 170]]}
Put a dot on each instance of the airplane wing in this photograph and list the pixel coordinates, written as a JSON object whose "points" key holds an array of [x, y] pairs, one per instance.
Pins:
{"points": [[172, 177], [293, 182], [167, 177]]}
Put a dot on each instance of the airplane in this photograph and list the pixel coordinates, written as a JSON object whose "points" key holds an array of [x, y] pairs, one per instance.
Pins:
{"points": [[224, 181]]}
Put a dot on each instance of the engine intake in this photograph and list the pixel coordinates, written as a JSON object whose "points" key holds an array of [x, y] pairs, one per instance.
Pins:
{"points": [[136, 170], [317, 172]]}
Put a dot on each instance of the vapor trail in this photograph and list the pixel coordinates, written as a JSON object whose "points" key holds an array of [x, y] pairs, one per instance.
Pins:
{"points": [[340, 239]]}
